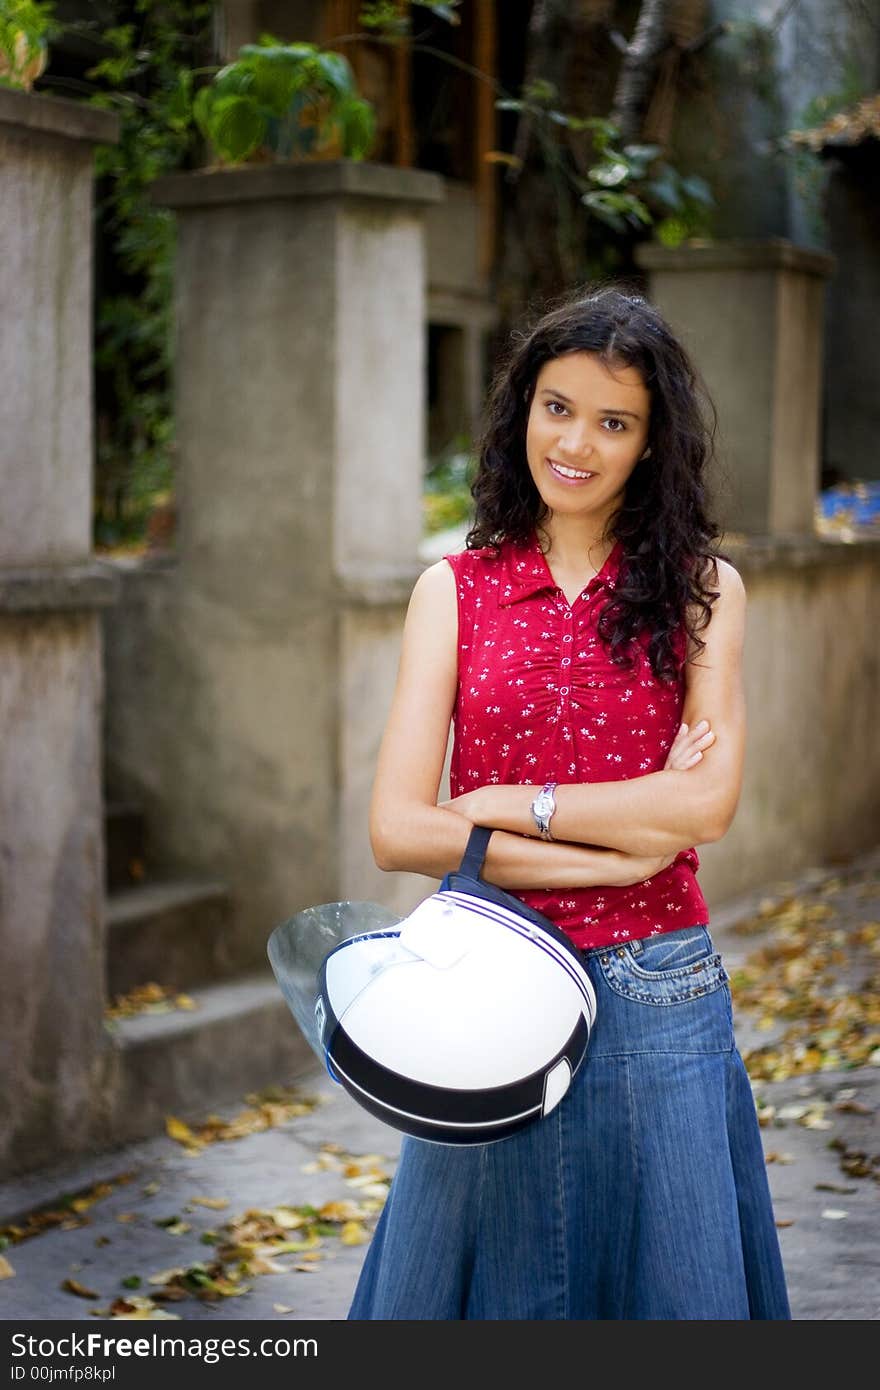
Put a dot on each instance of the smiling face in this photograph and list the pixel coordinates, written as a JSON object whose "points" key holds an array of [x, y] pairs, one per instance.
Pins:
{"points": [[587, 430]]}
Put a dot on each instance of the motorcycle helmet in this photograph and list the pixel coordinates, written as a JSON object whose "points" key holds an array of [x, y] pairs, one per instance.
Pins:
{"points": [[459, 1024]]}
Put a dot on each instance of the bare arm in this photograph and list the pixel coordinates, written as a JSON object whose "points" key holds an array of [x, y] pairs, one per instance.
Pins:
{"points": [[666, 811], [408, 830]]}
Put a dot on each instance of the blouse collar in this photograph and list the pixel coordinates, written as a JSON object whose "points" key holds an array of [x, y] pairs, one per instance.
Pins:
{"points": [[526, 571]]}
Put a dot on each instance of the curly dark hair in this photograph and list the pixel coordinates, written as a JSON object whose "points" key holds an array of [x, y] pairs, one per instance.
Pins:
{"points": [[668, 539]]}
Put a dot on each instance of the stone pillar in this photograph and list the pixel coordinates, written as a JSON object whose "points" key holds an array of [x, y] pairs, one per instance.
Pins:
{"points": [[51, 828], [300, 424], [751, 313]]}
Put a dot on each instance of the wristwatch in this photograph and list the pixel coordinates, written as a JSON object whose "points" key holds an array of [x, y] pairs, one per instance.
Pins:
{"points": [[543, 807]]}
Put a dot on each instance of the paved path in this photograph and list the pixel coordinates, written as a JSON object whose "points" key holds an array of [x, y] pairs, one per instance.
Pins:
{"points": [[832, 1262]]}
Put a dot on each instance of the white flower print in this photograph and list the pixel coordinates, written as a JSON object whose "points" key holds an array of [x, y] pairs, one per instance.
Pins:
{"points": [[512, 630]]}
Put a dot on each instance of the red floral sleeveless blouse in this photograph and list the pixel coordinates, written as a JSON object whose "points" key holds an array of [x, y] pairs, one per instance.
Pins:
{"points": [[539, 699]]}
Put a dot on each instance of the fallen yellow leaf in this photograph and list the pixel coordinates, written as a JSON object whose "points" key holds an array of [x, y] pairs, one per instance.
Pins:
{"points": [[354, 1233], [164, 1276], [6, 1270], [72, 1286], [179, 1130]]}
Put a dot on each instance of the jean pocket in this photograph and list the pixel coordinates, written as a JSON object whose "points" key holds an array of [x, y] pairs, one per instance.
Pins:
{"points": [[670, 968]]}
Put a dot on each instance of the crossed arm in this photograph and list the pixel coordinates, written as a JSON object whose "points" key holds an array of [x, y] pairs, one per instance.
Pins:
{"points": [[605, 832]]}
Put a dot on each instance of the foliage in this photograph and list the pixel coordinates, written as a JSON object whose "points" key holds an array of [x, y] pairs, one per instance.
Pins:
{"points": [[275, 101], [446, 498], [147, 78], [281, 101], [625, 191], [26, 29], [627, 187], [391, 18]]}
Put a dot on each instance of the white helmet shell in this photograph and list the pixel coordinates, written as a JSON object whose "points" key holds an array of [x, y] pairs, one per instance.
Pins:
{"points": [[460, 1025]]}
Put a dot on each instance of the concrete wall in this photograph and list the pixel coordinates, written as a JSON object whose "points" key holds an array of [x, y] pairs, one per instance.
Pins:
{"points": [[300, 416], [751, 315], [51, 883], [51, 805], [45, 365], [811, 792]]}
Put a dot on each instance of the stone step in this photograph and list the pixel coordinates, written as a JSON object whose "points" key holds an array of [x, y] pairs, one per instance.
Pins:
{"points": [[173, 932], [125, 840], [240, 1037]]}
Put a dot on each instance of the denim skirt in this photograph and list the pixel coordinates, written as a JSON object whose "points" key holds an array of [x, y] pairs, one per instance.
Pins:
{"points": [[644, 1194]]}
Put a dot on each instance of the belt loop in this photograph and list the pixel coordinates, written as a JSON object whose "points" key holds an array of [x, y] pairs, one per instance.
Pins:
{"points": [[636, 946]]}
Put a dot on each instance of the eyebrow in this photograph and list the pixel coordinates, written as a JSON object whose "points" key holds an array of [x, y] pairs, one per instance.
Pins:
{"points": [[603, 410]]}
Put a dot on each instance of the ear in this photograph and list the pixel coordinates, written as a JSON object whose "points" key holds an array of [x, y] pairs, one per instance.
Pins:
{"points": [[646, 454]]}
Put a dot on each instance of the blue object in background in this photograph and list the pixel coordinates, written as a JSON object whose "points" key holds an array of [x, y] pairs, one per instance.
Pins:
{"points": [[849, 511]]}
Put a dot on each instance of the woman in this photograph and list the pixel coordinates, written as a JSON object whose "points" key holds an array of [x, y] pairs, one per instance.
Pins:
{"points": [[587, 645]]}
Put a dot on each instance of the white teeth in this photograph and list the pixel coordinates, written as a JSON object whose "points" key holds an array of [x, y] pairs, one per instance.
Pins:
{"points": [[570, 472]]}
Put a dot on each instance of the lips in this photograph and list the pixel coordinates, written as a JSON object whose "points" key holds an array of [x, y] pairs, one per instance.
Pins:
{"points": [[565, 474]]}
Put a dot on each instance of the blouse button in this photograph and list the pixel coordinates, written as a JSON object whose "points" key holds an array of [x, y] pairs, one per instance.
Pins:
{"points": [[567, 637], [568, 612], [563, 690], [566, 661]]}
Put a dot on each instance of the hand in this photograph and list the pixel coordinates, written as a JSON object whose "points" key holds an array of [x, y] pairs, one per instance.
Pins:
{"points": [[687, 746]]}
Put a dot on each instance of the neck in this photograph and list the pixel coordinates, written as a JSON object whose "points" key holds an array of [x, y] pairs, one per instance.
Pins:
{"points": [[574, 542]]}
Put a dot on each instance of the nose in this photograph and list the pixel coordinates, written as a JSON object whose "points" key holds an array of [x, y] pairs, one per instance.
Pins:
{"points": [[575, 442]]}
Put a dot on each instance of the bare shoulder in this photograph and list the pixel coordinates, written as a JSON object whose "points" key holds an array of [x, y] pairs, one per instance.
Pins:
{"points": [[437, 578], [730, 581], [721, 578], [723, 629], [431, 626], [434, 591]]}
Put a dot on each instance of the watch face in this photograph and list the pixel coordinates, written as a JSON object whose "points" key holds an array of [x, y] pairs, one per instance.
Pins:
{"points": [[543, 803]]}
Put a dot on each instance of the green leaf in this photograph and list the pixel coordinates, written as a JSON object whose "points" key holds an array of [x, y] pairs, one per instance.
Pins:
{"points": [[236, 79], [203, 104], [638, 211], [447, 12], [643, 152], [602, 209], [115, 71], [236, 127], [698, 189], [609, 174], [273, 86], [540, 90], [133, 1281], [178, 107], [358, 122], [336, 73], [666, 190]]}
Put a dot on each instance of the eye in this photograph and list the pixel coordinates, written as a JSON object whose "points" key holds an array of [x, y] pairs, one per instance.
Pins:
{"points": [[551, 404], [612, 420]]}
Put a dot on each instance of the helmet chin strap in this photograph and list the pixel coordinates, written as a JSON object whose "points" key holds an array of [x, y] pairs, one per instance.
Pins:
{"points": [[475, 850]]}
